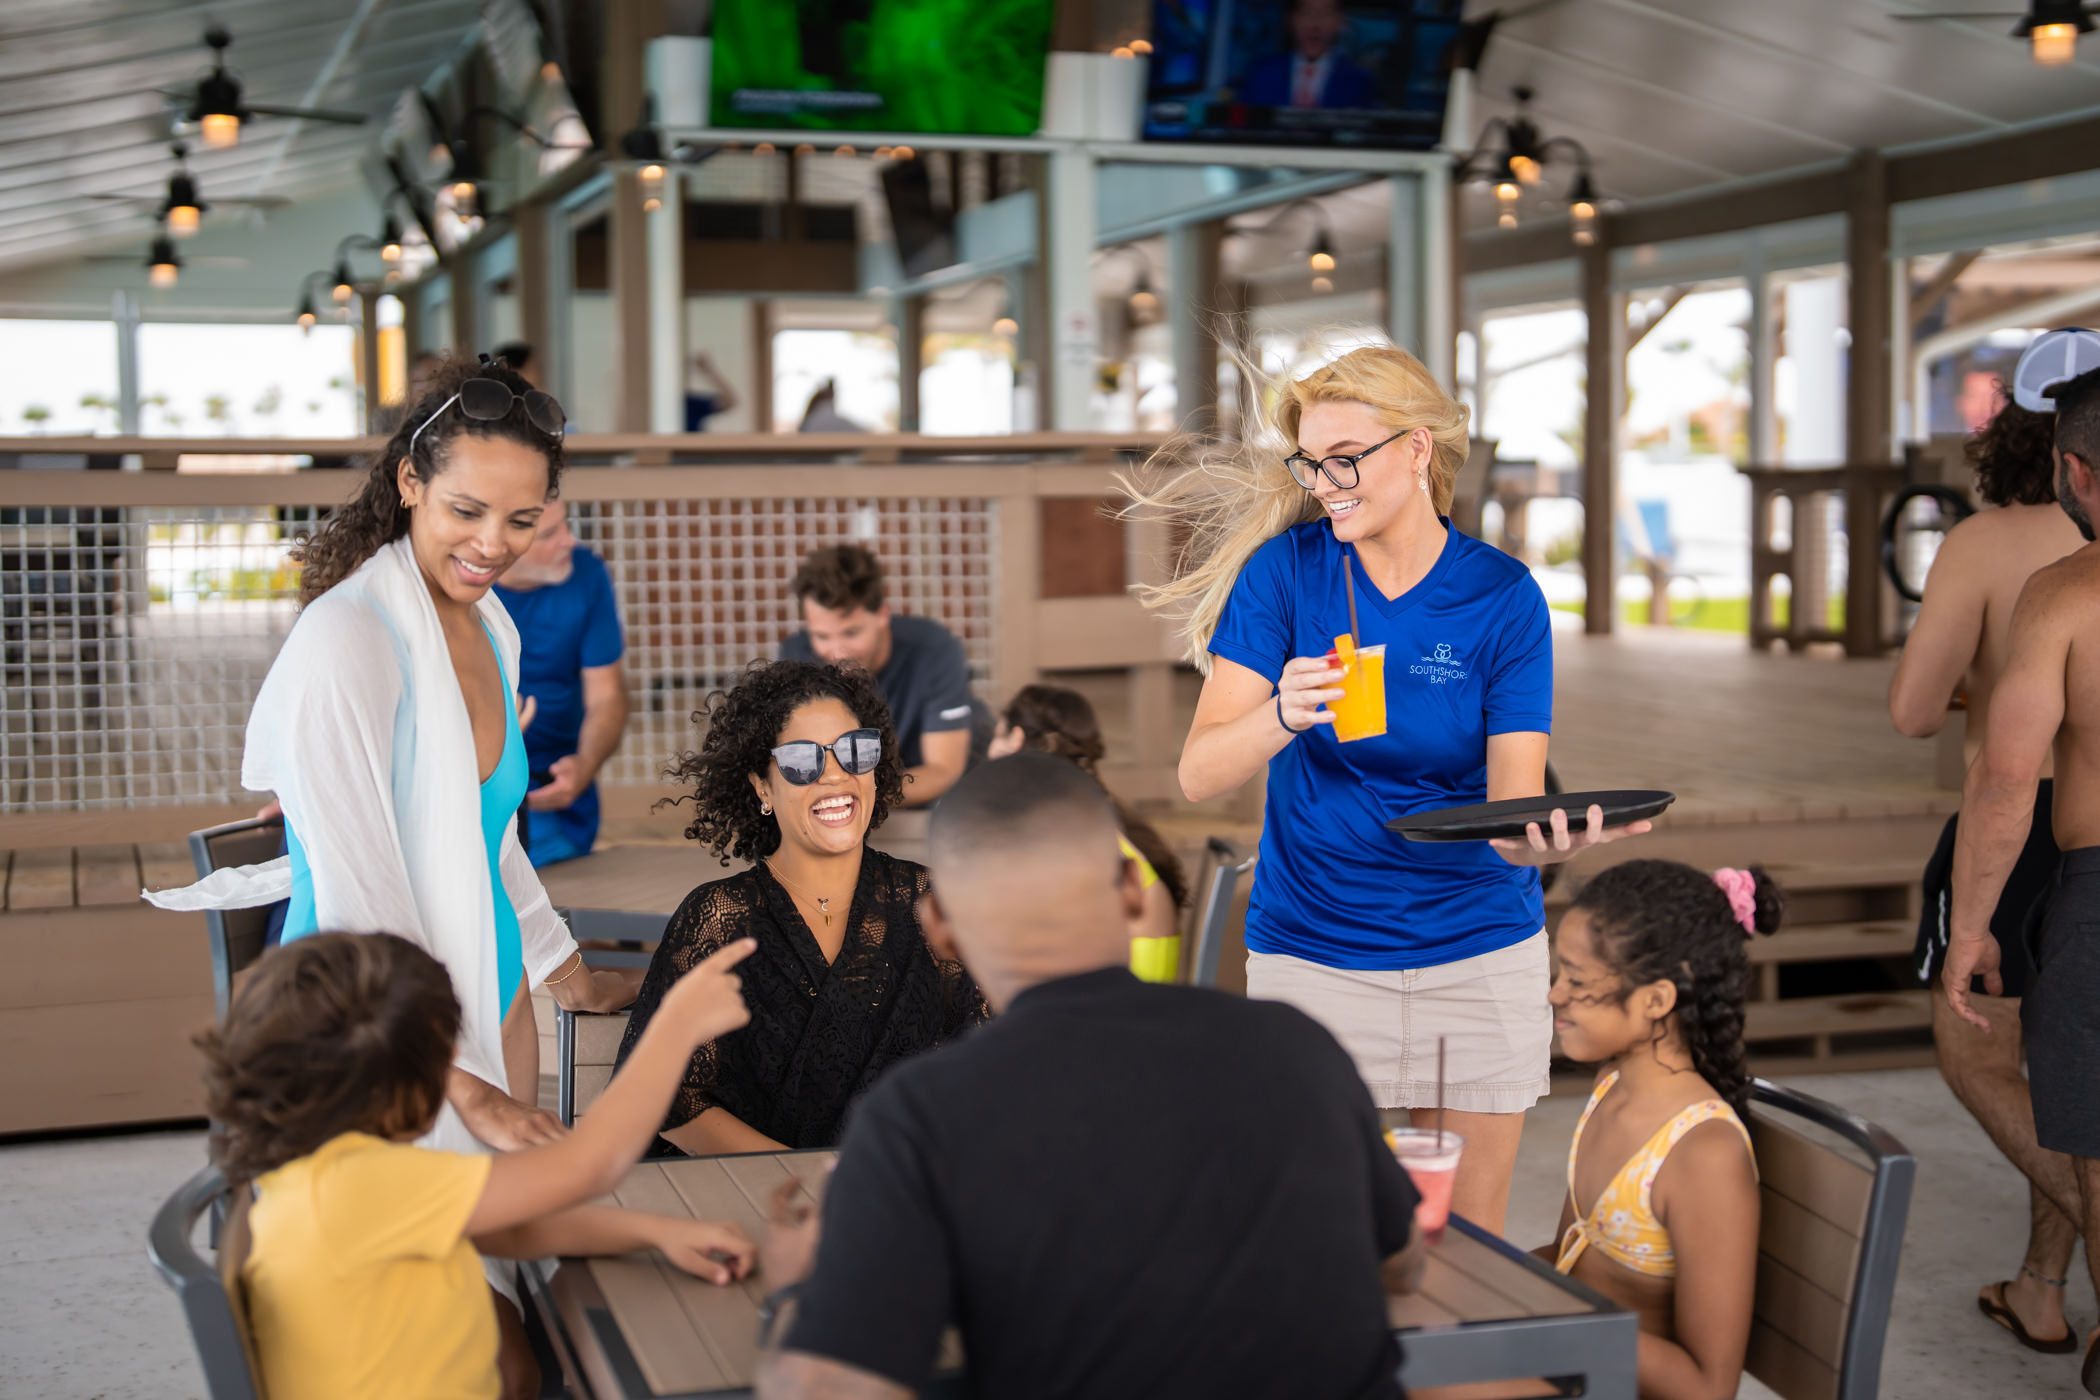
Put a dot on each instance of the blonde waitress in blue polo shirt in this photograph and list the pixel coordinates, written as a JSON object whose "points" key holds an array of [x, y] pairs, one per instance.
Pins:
{"points": [[1389, 944]]}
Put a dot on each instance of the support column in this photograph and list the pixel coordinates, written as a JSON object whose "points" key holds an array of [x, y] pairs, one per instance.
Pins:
{"points": [[627, 235], [629, 26], [1764, 418], [1067, 252], [762, 368], [466, 335], [535, 308], [666, 239], [1195, 311], [124, 312], [1403, 263], [1438, 243], [1605, 365], [368, 356], [911, 360], [1868, 440]]}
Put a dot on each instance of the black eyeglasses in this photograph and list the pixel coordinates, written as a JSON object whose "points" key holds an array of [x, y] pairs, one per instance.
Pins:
{"points": [[802, 761], [1307, 472], [490, 400]]}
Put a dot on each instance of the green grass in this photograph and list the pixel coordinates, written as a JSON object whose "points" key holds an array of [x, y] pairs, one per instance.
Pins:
{"points": [[1713, 614]]}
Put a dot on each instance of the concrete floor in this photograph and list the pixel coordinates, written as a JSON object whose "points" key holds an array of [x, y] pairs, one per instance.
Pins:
{"points": [[83, 1316]]}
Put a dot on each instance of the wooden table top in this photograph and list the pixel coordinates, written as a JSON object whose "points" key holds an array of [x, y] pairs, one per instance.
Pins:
{"points": [[684, 1336]]}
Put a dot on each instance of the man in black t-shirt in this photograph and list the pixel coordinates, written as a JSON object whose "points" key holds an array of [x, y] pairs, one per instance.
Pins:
{"points": [[1111, 1189], [918, 664]]}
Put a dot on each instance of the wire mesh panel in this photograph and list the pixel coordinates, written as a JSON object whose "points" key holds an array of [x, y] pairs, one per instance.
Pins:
{"points": [[133, 638], [705, 589]]}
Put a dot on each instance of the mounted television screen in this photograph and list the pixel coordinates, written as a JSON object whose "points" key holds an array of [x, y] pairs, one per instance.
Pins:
{"points": [[971, 67], [1300, 72]]}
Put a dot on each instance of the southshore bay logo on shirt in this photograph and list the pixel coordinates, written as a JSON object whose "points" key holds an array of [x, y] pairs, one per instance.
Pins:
{"points": [[1441, 666]]}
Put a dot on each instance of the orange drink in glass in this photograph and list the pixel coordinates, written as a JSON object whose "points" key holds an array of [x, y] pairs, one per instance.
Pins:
{"points": [[1360, 713]]}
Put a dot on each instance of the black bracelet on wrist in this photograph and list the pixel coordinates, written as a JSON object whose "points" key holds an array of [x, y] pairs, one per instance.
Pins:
{"points": [[769, 1309], [1284, 722]]}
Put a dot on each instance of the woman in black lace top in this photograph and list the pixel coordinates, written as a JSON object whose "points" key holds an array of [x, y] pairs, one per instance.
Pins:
{"points": [[798, 764]]}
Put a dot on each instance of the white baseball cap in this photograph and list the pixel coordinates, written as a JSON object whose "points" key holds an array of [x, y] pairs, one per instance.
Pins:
{"points": [[2052, 360]]}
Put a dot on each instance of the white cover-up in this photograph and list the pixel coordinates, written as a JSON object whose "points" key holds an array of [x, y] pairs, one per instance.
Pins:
{"points": [[361, 731]]}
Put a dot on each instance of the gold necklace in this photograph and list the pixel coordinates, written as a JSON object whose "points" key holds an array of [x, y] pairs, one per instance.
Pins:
{"points": [[823, 905]]}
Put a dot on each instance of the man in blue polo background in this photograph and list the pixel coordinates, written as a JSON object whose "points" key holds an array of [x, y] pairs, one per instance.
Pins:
{"points": [[569, 674]]}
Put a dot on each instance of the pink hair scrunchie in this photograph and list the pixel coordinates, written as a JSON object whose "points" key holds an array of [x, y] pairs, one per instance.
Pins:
{"points": [[1741, 888]]}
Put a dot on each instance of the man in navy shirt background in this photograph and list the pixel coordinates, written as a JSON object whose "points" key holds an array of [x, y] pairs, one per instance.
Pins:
{"points": [[561, 598]]}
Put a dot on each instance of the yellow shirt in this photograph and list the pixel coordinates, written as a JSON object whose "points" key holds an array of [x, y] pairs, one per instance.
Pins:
{"points": [[1152, 959], [360, 1279]]}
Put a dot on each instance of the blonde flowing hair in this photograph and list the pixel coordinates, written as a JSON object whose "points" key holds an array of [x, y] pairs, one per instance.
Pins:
{"points": [[1223, 501]]}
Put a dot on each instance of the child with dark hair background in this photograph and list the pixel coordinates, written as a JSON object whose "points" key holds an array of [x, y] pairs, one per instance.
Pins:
{"points": [[1662, 1208], [364, 1275], [1058, 721]]}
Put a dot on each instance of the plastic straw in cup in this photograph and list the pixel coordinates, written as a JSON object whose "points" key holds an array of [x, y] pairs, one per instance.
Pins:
{"points": [[1356, 638], [1440, 1093]]}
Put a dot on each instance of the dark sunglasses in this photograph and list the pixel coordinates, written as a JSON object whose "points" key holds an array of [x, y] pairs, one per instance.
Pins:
{"points": [[1307, 472], [490, 401], [802, 762]]}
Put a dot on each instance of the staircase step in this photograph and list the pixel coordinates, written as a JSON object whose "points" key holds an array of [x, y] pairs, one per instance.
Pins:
{"points": [[1878, 938], [1852, 1014]]}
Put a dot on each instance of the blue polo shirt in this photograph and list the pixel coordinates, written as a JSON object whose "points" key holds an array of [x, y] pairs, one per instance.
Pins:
{"points": [[562, 628], [1469, 653]]}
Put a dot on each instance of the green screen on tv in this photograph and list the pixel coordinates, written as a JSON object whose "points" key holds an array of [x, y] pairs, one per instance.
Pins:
{"points": [[970, 67]]}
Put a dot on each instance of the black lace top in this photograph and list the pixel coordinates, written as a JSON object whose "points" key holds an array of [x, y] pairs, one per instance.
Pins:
{"points": [[819, 1035]]}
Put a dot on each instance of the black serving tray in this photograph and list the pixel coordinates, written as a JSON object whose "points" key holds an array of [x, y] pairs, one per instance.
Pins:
{"points": [[1489, 821]]}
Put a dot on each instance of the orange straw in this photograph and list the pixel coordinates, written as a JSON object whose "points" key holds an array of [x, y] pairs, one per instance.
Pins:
{"points": [[1349, 587]]}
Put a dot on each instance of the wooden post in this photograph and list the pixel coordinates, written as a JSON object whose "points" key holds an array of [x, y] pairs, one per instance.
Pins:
{"points": [[1196, 311], [629, 26], [1605, 363], [535, 308], [1019, 585], [762, 367], [628, 236], [1867, 389], [466, 334], [368, 358], [911, 359]]}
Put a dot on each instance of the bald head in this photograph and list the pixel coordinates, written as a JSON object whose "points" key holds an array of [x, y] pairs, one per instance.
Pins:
{"points": [[1028, 880]]}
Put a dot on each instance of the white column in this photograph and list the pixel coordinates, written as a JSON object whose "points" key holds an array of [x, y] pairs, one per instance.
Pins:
{"points": [[1193, 321], [1764, 418], [1403, 262], [1438, 316], [666, 234], [1814, 312], [124, 311], [1068, 258]]}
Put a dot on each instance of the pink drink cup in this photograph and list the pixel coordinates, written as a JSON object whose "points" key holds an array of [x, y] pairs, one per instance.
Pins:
{"points": [[1433, 1165]]}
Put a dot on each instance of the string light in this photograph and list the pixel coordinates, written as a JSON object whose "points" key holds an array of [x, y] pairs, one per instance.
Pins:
{"points": [[843, 152], [904, 153], [344, 288], [306, 312], [1143, 300], [390, 240], [1582, 210]]}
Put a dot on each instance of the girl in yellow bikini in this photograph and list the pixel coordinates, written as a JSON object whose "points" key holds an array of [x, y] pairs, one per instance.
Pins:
{"points": [[1662, 1205]]}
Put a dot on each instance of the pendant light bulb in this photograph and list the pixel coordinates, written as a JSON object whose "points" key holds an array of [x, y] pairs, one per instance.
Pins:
{"points": [[463, 198], [222, 130], [1582, 210], [162, 266], [1321, 258], [1527, 170], [1143, 300], [183, 219], [2054, 44], [390, 241], [344, 288], [1323, 285], [1006, 325]]}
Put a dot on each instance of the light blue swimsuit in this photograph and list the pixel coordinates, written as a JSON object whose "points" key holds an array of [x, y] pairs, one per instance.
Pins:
{"points": [[501, 793]]}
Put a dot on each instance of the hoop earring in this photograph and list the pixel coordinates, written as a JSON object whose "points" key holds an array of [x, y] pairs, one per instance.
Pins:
{"points": [[765, 809]]}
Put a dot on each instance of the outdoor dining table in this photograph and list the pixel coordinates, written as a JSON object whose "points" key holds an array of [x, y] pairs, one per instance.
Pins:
{"points": [[635, 1328]]}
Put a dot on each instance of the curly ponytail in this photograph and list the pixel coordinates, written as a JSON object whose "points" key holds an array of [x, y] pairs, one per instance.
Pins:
{"points": [[376, 517], [1662, 921]]}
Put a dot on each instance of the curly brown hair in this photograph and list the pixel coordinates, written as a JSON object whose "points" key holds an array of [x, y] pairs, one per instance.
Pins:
{"points": [[375, 517], [329, 1034], [1059, 721], [1664, 921], [841, 577], [743, 728], [2012, 456]]}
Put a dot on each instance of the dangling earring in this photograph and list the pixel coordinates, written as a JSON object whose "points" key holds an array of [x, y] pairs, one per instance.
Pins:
{"points": [[765, 809], [1422, 480]]}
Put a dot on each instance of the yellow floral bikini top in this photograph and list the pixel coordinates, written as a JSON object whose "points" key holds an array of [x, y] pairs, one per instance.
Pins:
{"points": [[1622, 1225]]}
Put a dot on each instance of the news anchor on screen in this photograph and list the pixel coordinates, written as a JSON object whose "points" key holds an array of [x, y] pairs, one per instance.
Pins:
{"points": [[1314, 72]]}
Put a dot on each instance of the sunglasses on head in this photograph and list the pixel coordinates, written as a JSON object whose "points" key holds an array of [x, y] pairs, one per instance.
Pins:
{"points": [[490, 401], [802, 761]]}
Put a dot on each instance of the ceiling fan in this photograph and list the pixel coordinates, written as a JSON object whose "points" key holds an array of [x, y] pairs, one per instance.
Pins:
{"points": [[215, 107], [2051, 26], [182, 208]]}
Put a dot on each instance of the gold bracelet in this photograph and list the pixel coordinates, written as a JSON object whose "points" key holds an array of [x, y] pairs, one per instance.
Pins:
{"points": [[570, 973]]}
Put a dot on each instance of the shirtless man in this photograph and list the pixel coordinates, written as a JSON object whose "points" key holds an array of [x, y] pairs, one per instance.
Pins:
{"points": [[1960, 640], [2048, 696]]}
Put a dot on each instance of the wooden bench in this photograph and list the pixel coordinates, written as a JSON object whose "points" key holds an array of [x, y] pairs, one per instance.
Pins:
{"points": [[106, 991]]}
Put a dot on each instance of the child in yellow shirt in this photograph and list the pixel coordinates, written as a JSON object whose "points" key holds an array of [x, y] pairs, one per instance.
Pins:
{"points": [[364, 1275]]}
